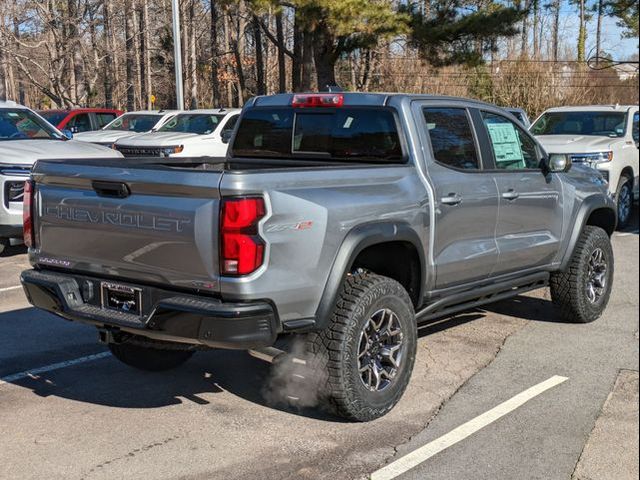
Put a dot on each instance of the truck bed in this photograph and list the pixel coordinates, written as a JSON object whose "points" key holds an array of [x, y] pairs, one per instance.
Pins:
{"points": [[152, 220]]}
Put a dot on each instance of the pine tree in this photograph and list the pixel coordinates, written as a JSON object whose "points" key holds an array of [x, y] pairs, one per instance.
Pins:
{"points": [[451, 34]]}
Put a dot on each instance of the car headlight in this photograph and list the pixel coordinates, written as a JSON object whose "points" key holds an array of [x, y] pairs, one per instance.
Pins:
{"points": [[596, 157], [166, 151]]}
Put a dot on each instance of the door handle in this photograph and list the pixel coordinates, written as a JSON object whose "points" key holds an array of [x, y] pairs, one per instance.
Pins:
{"points": [[451, 199], [510, 195], [111, 189]]}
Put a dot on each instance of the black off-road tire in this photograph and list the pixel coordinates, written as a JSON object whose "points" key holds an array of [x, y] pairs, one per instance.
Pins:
{"points": [[569, 288], [624, 193], [334, 351], [148, 358]]}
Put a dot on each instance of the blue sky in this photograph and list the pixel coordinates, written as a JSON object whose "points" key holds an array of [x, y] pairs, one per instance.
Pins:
{"points": [[612, 41]]}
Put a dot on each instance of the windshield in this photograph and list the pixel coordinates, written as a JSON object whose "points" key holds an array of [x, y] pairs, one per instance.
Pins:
{"points": [[22, 124], [200, 123], [352, 133], [134, 122], [604, 124], [54, 117]]}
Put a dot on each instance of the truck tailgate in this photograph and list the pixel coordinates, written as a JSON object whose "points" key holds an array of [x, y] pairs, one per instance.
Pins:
{"points": [[143, 222]]}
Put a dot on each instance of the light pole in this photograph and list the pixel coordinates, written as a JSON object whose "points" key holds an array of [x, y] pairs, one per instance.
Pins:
{"points": [[177, 54]]}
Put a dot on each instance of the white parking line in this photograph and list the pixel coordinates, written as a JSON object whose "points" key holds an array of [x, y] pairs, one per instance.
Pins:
{"points": [[427, 451], [54, 366], [8, 289]]}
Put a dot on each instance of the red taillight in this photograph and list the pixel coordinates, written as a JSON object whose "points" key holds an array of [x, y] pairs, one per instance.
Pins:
{"points": [[318, 100], [27, 213], [241, 248]]}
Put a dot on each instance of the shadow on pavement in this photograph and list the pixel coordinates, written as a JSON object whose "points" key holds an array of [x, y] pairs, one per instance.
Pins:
{"points": [[633, 226], [438, 325], [527, 308], [110, 383], [13, 251]]}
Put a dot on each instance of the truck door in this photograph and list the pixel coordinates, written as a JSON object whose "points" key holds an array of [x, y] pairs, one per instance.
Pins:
{"points": [[466, 198], [530, 213]]}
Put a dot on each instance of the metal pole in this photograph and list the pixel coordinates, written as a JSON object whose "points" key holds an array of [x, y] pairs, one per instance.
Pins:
{"points": [[177, 54]]}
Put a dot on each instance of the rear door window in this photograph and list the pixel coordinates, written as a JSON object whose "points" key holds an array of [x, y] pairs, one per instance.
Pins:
{"points": [[345, 133], [451, 136], [635, 130]]}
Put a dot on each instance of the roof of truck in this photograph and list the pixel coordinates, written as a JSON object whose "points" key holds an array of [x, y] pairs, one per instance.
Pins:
{"points": [[152, 112], [82, 110], [358, 98], [10, 104], [593, 108], [212, 111]]}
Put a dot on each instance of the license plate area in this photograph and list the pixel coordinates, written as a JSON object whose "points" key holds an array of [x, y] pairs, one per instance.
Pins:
{"points": [[121, 298]]}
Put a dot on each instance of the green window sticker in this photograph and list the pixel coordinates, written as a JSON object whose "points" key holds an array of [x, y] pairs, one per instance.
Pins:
{"points": [[506, 145]]}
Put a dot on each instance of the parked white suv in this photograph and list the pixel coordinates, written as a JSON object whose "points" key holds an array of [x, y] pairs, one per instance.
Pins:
{"points": [[24, 138], [195, 133], [604, 137], [126, 125]]}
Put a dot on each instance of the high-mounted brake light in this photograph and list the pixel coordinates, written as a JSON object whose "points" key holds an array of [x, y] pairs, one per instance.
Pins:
{"points": [[241, 248], [317, 100], [27, 213]]}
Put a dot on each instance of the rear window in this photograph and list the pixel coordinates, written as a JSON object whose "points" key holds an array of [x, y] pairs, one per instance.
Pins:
{"points": [[367, 134]]}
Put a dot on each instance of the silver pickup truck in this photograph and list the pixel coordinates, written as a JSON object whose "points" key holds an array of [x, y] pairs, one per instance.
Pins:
{"points": [[341, 220]]}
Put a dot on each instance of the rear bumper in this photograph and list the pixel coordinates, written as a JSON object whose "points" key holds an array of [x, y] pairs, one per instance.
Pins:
{"points": [[169, 316]]}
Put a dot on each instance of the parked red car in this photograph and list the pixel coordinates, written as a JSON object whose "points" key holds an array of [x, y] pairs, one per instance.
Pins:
{"points": [[80, 119]]}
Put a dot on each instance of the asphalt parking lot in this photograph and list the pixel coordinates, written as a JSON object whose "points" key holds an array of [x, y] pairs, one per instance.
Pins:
{"points": [[501, 393]]}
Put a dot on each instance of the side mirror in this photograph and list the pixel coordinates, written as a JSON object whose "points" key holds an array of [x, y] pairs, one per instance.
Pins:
{"points": [[226, 135], [67, 133], [557, 163]]}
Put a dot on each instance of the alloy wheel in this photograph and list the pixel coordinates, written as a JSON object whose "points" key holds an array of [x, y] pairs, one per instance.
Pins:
{"points": [[596, 276], [380, 350], [624, 203]]}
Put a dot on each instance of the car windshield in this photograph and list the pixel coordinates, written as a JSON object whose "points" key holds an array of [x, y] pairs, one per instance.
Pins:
{"points": [[22, 124], [340, 134], [603, 124], [200, 123], [134, 122], [54, 117]]}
